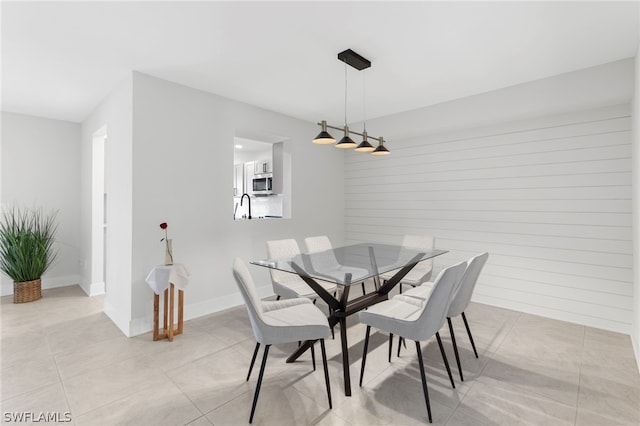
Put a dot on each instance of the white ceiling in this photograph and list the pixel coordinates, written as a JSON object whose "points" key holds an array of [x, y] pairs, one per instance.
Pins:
{"points": [[59, 60]]}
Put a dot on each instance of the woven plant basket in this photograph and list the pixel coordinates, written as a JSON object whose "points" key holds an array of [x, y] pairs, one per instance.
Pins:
{"points": [[27, 291]]}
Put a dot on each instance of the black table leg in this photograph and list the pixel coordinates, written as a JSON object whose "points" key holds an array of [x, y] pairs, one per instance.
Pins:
{"points": [[345, 357]]}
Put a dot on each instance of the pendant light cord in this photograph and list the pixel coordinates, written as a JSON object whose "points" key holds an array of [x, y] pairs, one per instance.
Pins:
{"points": [[364, 103]]}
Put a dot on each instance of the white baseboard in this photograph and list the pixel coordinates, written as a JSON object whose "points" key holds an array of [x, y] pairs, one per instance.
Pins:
{"points": [[93, 289], [600, 323], [118, 318], [47, 282]]}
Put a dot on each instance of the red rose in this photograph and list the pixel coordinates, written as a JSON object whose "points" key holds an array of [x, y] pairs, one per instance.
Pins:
{"points": [[163, 225]]}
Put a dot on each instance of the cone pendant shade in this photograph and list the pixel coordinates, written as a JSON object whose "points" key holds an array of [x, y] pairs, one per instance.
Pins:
{"points": [[324, 138], [346, 141]]}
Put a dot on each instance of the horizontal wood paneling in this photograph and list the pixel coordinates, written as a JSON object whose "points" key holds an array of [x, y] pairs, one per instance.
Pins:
{"points": [[548, 198]]}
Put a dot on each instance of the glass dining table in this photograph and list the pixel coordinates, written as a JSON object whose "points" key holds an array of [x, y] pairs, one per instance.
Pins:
{"points": [[347, 266]]}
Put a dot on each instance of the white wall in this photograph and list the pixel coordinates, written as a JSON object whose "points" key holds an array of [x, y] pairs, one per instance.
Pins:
{"points": [[182, 174], [115, 112], [635, 335], [549, 197], [41, 168]]}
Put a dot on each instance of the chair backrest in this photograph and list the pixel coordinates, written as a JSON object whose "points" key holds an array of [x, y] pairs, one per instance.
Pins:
{"points": [[462, 297], [422, 270], [279, 249], [327, 260], [316, 244], [435, 311], [248, 289]]}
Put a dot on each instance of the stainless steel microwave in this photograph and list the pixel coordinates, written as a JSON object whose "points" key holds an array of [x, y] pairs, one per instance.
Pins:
{"points": [[263, 184]]}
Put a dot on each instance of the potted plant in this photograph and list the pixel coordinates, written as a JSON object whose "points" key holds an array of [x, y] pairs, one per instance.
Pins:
{"points": [[26, 249]]}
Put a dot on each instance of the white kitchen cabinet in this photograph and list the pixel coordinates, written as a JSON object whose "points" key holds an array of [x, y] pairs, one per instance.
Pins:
{"points": [[238, 180], [263, 166], [248, 177]]}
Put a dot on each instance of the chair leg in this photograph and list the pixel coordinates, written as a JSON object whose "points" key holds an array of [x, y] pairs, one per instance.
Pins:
{"points": [[364, 353], [424, 380], [253, 360], [363, 290], [466, 324], [444, 358], [313, 355], [401, 342], [278, 298], [326, 371], [455, 348], [390, 344], [257, 392], [400, 284]]}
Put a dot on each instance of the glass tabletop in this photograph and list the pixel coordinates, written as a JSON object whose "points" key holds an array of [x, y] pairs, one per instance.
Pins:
{"points": [[350, 264]]}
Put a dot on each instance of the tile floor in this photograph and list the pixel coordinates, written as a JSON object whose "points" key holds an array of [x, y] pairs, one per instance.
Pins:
{"points": [[63, 355]]}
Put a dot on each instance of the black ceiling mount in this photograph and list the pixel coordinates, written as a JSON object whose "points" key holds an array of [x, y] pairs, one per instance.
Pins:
{"points": [[352, 58]]}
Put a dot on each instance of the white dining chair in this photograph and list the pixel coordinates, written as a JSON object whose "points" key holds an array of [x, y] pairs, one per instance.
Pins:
{"points": [[422, 271], [282, 321], [415, 318], [328, 263], [287, 285], [460, 301]]}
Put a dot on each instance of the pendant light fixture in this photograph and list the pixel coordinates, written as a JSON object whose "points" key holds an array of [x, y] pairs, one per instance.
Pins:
{"points": [[349, 57]]}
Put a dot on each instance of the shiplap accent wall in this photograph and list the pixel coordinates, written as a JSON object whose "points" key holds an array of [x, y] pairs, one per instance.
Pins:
{"points": [[548, 198]]}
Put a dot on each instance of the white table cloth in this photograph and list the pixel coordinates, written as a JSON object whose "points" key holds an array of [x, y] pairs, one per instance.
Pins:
{"points": [[162, 275]]}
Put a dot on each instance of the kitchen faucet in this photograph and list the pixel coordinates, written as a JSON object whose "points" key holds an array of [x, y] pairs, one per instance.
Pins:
{"points": [[249, 198]]}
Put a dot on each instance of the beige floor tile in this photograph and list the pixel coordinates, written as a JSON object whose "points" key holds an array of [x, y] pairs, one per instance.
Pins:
{"points": [[491, 402], [394, 399], [106, 384], [86, 358], [216, 379], [27, 375], [550, 376], [47, 400], [604, 397], [531, 370], [77, 333], [22, 346], [537, 326], [278, 404], [184, 349], [158, 402]]}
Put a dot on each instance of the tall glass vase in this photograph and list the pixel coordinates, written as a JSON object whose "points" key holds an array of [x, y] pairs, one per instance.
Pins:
{"points": [[168, 255]]}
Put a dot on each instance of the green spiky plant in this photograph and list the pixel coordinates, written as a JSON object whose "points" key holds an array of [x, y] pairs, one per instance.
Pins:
{"points": [[26, 242]]}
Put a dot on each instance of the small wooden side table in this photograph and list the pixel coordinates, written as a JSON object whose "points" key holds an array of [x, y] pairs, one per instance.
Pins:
{"points": [[164, 279], [168, 331]]}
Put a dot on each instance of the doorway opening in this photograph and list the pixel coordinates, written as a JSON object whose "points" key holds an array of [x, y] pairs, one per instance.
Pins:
{"points": [[98, 214]]}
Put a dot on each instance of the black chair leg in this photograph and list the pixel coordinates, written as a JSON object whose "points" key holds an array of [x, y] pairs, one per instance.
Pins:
{"points": [[278, 298], [363, 290], [326, 371], [401, 342], [255, 395], [313, 355], [466, 324], [390, 345], [253, 360], [424, 380], [364, 353], [444, 358], [455, 348]]}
